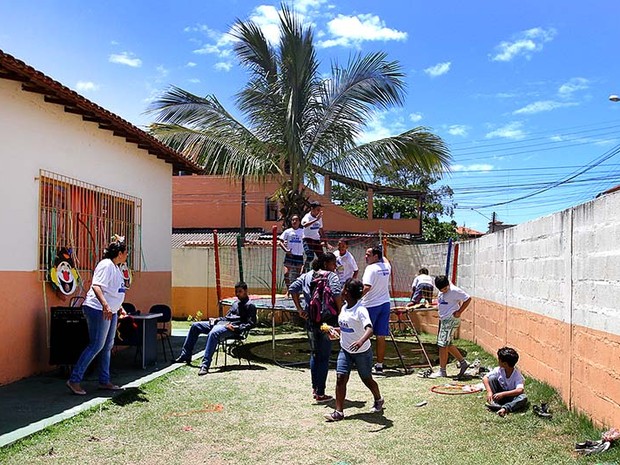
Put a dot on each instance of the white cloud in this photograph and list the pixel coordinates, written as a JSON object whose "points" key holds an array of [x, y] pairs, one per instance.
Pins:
{"points": [[542, 105], [567, 89], [219, 43], [458, 130], [347, 31], [474, 167], [125, 58], [379, 127], [438, 69], [162, 71], [190, 64], [86, 86], [415, 117], [303, 6], [194, 80], [525, 43], [268, 19], [223, 66], [509, 131]]}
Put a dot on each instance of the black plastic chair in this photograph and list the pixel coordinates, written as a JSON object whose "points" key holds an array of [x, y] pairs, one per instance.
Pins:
{"points": [[231, 343], [164, 326], [130, 308]]}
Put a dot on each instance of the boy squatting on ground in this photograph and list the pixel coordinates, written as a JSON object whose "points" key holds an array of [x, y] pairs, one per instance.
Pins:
{"points": [[505, 384], [451, 303]]}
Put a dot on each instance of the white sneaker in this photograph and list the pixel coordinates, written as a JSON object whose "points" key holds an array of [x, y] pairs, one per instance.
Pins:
{"points": [[378, 406], [438, 374]]}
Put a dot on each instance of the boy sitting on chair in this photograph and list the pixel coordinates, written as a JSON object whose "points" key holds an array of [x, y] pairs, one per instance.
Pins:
{"points": [[241, 317], [505, 384]]}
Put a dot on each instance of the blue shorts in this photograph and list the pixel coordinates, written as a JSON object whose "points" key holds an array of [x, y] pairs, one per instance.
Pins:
{"points": [[380, 317], [362, 361]]}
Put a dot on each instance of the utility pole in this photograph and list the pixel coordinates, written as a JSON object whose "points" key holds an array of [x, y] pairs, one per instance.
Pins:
{"points": [[242, 228]]}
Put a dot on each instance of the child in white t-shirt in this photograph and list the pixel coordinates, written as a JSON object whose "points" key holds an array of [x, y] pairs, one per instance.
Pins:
{"points": [[422, 288], [505, 384], [451, 302], [354, 329]]}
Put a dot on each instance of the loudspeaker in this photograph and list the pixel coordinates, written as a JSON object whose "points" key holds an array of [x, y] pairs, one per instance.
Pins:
{"points": [[68, 335]]}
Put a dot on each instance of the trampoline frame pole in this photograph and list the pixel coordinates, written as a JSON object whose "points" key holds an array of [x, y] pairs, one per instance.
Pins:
{"points": [[448, 258], [455, 263], [218, 284], [274, 258]]}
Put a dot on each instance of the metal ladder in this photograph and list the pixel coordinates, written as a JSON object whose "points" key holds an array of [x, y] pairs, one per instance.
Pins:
{"points": [[402, 315]]}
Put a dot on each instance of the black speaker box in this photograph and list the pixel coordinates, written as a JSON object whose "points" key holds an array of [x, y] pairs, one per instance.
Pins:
{"points": [[68, 335]]}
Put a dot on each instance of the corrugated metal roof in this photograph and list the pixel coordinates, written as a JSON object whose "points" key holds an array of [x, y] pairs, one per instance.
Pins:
{"points": [[226, 239]]}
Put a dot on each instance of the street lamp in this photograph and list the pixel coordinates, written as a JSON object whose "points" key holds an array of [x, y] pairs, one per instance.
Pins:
{"points": [[614, 98]]}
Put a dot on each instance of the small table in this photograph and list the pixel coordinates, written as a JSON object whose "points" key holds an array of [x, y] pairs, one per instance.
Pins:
{"points": [[148, 336]]}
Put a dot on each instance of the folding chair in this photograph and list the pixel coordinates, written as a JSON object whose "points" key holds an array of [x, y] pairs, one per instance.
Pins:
{"points": [[231, 343]]}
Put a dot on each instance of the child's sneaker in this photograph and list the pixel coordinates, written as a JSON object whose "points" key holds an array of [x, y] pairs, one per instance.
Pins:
{"points": [[493, 406], [462, 367], [438, 374], [378, 406], [334, 416]]}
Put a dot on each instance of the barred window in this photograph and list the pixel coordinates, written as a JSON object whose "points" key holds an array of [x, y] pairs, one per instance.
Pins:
{"points": [[271, 210], [82, 218]]}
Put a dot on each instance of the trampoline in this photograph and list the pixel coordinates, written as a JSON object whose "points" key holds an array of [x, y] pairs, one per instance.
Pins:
{"points": [[282, 303]]}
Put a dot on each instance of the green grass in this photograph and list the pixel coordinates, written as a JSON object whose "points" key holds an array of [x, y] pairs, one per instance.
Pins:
{"points": [[265, 415]]}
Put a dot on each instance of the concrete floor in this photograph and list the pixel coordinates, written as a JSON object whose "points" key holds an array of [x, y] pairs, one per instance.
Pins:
{"points": [[34, 403]]}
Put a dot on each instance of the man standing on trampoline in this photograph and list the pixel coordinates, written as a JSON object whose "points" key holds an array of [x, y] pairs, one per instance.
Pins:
{"points": [[377, 299], [312, 223], [291, 241]]}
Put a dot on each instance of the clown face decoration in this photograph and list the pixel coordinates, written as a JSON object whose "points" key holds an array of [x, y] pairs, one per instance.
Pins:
{"points": [[127, 276], [63, 275]]}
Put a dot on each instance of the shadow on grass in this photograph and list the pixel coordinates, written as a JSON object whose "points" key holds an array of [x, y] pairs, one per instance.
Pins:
{"points": [[374, 419], [245, 367], [296, 350], [129, 396]]}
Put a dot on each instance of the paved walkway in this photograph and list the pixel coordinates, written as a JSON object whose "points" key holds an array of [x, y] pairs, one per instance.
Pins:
{"points": [[34, 403]]}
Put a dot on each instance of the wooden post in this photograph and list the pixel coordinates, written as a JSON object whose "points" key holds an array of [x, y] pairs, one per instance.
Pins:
{"points": [[370, 201], [327, 187]]}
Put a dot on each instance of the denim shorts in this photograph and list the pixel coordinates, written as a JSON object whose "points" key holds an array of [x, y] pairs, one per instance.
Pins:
{"points": [[447, 328], [362, 361], [380, 318]]}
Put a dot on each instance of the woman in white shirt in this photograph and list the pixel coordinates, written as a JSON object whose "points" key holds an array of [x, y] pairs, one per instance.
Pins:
{"points": [[101, 307]]}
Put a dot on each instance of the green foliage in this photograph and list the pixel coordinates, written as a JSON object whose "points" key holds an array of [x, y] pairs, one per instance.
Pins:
{"points": [[437, 201], [196, 317], [296, 118]]}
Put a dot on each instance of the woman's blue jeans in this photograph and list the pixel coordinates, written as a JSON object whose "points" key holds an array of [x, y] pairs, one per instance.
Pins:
{"points": [[320, 351], [101, 335]]}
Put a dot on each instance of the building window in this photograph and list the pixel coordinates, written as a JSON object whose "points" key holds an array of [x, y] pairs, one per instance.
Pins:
{"points": [[271, 210], [82, 218]]}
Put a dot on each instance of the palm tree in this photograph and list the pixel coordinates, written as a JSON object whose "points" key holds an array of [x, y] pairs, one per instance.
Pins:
{"points": [[297, 122]]}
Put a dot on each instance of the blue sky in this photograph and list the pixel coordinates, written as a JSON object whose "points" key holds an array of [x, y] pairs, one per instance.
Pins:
{"points": [[518, 89]]}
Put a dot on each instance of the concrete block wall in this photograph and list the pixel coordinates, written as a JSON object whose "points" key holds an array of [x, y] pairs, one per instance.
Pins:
{"points": [[550, 288]]}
